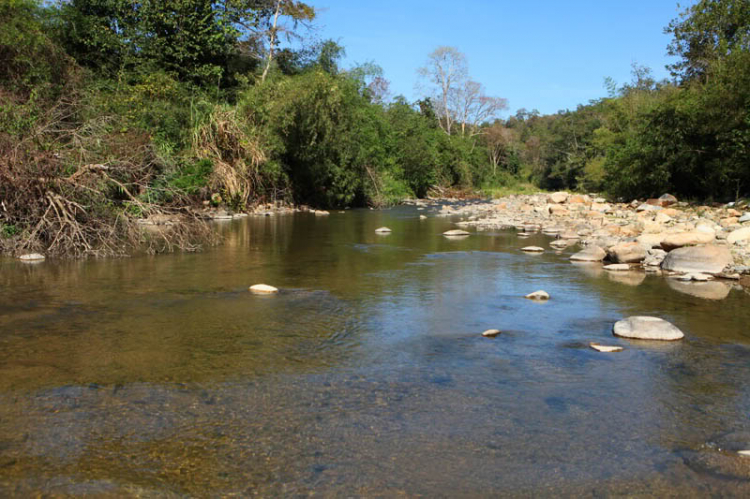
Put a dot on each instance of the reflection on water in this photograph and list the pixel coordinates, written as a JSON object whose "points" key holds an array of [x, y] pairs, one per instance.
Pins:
{"points": [[367, 374]]}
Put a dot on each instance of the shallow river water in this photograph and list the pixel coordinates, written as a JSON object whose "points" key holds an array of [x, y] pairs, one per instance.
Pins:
{"points": [[367, 375]]}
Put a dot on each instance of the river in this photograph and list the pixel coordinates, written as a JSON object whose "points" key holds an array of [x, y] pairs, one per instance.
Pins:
{"points": [[367, 375]]}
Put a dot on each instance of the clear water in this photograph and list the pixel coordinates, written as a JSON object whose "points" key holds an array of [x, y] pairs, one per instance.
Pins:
{"points": [[367, 375]]}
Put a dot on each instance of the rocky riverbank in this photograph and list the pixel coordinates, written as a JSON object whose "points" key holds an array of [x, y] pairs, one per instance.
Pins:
{"points": [[660, 236]]}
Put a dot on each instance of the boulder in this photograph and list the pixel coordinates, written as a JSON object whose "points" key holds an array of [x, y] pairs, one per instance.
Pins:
{"points": [[651, 240], [742, 234], [745, 218], [590, 254], [642, 327], [631, 252], [538, 295], [263, 289], [648, 207], [557, 197], [578, 199], [709, 259], [558, 211], [674, 241], [667, 200]]}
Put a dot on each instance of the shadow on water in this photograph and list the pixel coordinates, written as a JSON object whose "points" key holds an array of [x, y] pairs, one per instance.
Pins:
{"points": [[367, 374]]}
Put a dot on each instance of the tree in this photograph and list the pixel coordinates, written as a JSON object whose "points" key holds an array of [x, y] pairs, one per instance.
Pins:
{"points": [[501, 143], [446, 71], [473, 107], [298, 12], [456, 97], [705, 32]]}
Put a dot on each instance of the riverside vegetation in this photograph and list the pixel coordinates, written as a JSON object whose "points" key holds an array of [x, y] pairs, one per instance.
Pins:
{"points": [[113, 112]]}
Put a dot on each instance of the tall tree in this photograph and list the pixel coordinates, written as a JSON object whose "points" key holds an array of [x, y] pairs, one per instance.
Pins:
{"points": [[298, 13], [445, 71], [705, 32]]}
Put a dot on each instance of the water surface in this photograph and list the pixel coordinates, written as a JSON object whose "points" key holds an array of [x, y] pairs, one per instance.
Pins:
{"points": [[367, 375]]}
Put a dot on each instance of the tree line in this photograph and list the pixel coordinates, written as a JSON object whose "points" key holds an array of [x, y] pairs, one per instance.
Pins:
{"points": [[111, 110]]}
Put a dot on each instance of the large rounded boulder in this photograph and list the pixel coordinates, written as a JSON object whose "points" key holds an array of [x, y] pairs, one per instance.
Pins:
{"points": [[708, 259], [641, 327]]}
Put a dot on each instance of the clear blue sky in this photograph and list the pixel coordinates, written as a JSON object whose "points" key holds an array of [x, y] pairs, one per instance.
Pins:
{"points": [[539, 54]]}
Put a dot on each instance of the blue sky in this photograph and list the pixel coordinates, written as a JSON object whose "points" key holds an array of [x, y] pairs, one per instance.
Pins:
{"points": [[545, 54]]}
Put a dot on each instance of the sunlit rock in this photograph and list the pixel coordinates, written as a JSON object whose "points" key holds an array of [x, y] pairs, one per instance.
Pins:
{"points": [[455, 233], [538, 295], [532, 249], [605, 348], [491, 333], [642, 327], [708, 259], [631, 252], [673, 241], [263, 289], [739, 235], [32, 257], [383, 230], [589, 254]]}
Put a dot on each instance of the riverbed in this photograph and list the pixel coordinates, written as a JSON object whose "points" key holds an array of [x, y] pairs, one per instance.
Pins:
{"points": [[367, 375]]}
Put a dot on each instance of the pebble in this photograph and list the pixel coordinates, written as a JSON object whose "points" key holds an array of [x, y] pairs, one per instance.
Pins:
{"points": [[605, 348], [263, 289]]}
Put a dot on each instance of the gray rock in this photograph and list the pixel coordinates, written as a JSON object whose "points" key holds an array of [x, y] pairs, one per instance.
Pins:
{"points": [[590, 254], [627, 253], [709, 259], [745, 218], [642, 327], [674, 241]]}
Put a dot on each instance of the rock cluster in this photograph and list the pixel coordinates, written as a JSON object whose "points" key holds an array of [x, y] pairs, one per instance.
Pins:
{"points": [[659, 235]]}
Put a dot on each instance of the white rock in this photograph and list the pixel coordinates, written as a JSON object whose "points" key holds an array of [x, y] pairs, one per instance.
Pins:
{"points": [[744, 453], [742, 234], [538, 295], [605, 348], [31, 257], [491, 333], [455, 232], [263, 289], [321, 213], [532, 249], [383, 230], [422, 217], [558, 197], [647, 328]]}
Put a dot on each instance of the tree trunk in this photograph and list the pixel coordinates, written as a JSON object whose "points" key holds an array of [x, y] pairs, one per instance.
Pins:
{"points": [[272, 41]]}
